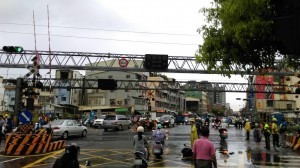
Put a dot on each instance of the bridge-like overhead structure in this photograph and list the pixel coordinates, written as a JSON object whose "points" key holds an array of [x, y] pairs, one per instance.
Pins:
{"points": [[91, 61]]}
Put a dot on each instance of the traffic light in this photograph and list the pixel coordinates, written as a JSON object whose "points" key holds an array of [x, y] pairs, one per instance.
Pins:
{"points": [[12, 49], [154, 62], [107, 84]]}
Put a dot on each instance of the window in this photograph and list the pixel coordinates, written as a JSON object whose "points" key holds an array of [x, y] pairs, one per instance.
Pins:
{"points": [[63, 99], [269, 103], [127, 76], [112, 102], [289, 106], [110, 77]]}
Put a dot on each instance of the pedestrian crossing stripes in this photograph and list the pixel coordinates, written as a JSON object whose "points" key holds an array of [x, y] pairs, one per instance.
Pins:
{"points": [[273, 160]]}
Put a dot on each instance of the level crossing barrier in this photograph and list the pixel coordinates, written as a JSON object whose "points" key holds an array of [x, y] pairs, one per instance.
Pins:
{"points": [[292, 141], [39, 142]]}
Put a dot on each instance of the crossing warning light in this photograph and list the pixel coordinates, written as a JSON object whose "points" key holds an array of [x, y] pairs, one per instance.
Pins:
{"points": [[12, 49]]}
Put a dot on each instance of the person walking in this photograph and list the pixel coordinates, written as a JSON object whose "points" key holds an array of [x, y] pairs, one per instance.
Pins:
{"points": [[2, 128], [267, 133], [194, 134], [282, 131], [247, 129], [204, 152], [257, 135], [275, 135]]}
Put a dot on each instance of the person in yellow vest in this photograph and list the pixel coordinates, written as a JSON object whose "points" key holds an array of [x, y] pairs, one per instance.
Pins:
{"points": [[267, 133], [275, 135], [194, 134], [247, 129]]}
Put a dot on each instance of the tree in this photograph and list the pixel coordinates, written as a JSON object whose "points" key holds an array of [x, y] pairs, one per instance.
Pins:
{"points": [[240, 35]]}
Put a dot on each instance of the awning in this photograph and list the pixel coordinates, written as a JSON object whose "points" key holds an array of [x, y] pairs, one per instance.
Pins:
{"points": [[139, 112], [121, 110]]}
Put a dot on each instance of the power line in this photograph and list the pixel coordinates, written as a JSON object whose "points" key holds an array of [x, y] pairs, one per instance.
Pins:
{"points": [[97, 29], [99, 38]]}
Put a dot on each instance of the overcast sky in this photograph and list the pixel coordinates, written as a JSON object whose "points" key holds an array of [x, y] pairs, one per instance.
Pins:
{"points": [[115, 26]]}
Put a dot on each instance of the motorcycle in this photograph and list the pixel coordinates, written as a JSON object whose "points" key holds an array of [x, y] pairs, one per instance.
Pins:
{"points": [[157, 149], [223, 134], [140, 160]]}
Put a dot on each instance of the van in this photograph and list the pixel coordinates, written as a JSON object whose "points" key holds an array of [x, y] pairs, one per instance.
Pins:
{"points": [[116, 122]]}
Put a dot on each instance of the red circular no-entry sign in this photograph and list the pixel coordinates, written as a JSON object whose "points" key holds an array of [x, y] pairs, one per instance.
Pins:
{"points": [[123, 62]]}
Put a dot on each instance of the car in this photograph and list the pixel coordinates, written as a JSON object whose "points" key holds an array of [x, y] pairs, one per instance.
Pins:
{"points": [[98, 122], [187, 120], [67, 127], [167, 120], [116, 122]]}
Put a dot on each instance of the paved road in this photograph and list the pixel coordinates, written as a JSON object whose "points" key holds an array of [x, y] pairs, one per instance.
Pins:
{"points": [[114, 149]]}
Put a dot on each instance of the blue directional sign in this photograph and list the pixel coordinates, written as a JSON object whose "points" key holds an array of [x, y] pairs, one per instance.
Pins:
{"points": [[25, 117]]}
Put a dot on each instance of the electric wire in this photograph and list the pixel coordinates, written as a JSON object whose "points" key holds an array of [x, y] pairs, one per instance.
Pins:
{"points": [[99, 38], [98, 29]]}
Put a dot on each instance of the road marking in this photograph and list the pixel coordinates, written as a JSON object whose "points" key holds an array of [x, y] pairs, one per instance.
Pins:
{"points": [[43, 158], [12, 159]]}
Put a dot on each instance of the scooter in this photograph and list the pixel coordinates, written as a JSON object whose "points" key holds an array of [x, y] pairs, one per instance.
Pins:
{"points": [[140, 160], [158, 149], [223, 134]]}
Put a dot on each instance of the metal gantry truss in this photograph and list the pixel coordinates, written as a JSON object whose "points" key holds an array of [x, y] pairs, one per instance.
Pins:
{"points": [[91, 61], [169, 85]]}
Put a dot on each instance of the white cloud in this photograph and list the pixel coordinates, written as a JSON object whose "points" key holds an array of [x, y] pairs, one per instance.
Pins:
{"points": [[158, 19]]}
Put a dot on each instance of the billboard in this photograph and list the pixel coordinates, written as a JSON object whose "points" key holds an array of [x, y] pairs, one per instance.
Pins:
{"points": [[264, 80]]}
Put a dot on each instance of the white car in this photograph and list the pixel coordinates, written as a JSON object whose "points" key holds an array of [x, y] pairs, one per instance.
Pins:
{"points": [[116, 122], [98, 123], [167, 120], [67, 127]]}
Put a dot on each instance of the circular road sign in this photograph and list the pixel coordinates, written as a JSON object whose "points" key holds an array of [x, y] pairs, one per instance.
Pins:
{"points": [[123, 62]]}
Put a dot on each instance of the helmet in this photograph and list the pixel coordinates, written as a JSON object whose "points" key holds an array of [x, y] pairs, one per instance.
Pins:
{"points": [[159, 126], [140, 129], [256, 124], [192, 120], [274, 119], [247, 120]]}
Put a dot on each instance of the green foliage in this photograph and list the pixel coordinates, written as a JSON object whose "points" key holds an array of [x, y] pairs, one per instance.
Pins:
{"points": [[239, 36]]}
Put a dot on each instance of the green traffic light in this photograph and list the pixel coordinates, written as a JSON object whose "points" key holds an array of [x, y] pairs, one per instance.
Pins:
{"points": [[18, 49]]}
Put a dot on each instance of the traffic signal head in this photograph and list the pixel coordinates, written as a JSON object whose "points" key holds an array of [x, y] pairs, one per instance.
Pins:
{"points": [[107, 84], [154, 62], [12, 49]]}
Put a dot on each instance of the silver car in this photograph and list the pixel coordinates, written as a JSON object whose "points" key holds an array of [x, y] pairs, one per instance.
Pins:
{"points": [[67, 127], [116, 122]]}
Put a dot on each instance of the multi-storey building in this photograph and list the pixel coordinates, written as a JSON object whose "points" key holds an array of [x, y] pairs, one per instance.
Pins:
{"points": [[4, 98], [266, 103]]}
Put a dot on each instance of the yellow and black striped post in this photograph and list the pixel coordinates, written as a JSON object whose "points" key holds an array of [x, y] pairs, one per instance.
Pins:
{"points": [[29, 144]]}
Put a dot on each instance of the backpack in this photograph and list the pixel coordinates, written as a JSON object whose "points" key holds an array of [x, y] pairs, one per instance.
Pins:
{"points": [[187, 152], [159, 135], [256, 133]]}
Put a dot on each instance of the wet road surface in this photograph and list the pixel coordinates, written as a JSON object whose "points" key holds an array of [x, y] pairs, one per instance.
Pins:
{"points": [[114, 149]]}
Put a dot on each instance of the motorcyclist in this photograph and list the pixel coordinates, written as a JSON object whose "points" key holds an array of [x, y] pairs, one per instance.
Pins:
{"points": [[223, 125], [140, 142], [159, 134]]}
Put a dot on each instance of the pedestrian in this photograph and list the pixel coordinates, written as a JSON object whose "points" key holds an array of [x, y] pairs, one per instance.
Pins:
{"points": [[267, 133], [247, 129], [2, 127], [204, 152], [275, 135], [194, 134], [282, 131], [257, 135], [140, 142]]}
